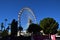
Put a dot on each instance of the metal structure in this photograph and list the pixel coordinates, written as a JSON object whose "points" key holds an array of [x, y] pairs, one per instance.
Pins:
{"points": [[21, 12]]}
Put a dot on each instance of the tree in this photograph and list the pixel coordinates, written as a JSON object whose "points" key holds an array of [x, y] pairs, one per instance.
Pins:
{"points": [[33, 28], [2, 26], [5, 19], [14, 27], [20, 29], [49, 25]]}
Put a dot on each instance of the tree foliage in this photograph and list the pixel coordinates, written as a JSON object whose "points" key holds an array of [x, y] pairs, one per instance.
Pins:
{"points": [[20, 28], [33, 28], [2, 26], [49, 25], [14, 27]]}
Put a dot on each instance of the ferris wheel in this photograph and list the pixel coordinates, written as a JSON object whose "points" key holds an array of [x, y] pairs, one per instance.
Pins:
{"points": [[24, 16]]}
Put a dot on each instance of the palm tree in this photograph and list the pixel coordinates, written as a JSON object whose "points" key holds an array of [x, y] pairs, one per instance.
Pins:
{"points": [[5, 19], [2, 26]]}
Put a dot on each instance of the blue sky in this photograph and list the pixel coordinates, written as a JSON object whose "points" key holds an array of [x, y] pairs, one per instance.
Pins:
{"points": [[42, 8]]}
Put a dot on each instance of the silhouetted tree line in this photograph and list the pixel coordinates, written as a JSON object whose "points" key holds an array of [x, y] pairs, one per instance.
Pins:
{"points": [[48, 25]]}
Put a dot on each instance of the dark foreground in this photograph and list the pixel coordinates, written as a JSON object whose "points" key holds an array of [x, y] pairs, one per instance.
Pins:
{"points": [[25, 38], [58, 38], [16, 38]]}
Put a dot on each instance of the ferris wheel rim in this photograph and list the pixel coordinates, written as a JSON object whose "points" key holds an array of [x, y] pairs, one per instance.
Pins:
{"points": [[20, 13]]}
